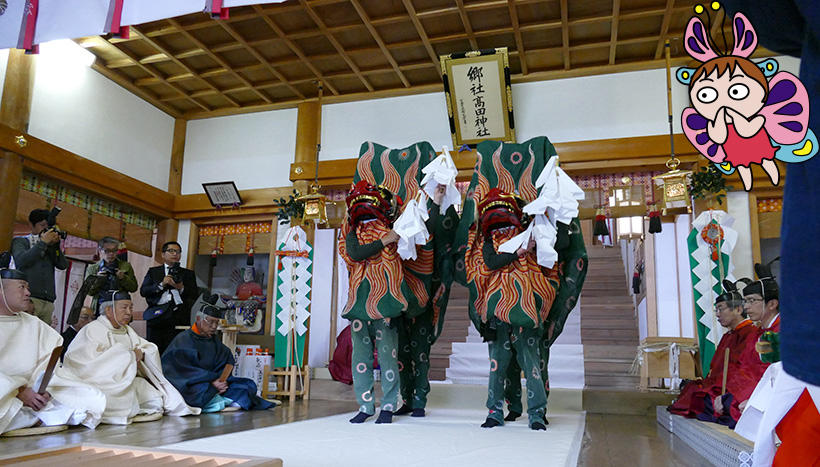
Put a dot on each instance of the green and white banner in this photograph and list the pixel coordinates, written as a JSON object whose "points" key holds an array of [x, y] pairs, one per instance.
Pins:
{"points": [[293, 290], [711, 243]]}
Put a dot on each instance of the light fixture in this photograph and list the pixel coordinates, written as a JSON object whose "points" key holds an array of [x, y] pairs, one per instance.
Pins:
{"points": [[675, 182], [315, 202]]}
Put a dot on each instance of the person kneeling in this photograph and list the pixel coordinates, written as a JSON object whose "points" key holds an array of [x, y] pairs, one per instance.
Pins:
{"points": [[194, 363], [109, 355], [26, 348]]}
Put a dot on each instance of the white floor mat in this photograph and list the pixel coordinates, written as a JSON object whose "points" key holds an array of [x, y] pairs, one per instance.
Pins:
{"points": [[448, 436]]}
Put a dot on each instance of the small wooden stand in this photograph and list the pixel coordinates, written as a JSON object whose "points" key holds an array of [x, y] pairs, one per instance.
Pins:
{"points": [[229, 333], [286, 382], [655, 365]]}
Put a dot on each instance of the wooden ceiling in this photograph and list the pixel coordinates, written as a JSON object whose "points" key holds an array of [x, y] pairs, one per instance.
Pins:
{"points": [[271, 56]]}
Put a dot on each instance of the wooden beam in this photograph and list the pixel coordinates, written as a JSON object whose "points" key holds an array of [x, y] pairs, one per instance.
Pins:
{"points": [[15, 110], [565, 33], [336, 45], [667, 18], [259, 201], [519, 43], [465, 20], [411, 10], [613, 38], [177, 157], [295, 49], [378, 38], [52, 161], [167, 230], [156, 45]]}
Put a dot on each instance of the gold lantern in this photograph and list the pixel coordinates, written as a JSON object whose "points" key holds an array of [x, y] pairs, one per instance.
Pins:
{"points": [[675, 186], [675, 183], [315, 206]]}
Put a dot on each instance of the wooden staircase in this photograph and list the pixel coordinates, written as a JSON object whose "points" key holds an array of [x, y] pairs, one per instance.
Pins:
{"points": [[609, 328], [456, 325]]}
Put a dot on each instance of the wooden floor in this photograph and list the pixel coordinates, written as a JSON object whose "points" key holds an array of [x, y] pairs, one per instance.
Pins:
{"points": [[609, 439]]}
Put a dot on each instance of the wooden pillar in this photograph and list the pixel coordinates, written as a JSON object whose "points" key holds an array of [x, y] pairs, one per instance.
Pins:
{"points": [[168, 229], [15, 110], [308, 134]]}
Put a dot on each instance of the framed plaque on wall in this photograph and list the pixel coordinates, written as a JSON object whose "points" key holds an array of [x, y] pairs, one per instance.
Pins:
{"points": [[479, 97]]}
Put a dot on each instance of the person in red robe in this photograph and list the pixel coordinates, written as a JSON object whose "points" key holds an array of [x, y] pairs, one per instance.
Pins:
{"points": [[705, 399]]}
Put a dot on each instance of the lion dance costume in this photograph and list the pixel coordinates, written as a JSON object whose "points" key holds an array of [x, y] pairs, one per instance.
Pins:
{"points": [[518, 306], [388, 295]]}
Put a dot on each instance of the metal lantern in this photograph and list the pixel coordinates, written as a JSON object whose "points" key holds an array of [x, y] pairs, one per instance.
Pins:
{"points": [[315, 207], [675, 186]]}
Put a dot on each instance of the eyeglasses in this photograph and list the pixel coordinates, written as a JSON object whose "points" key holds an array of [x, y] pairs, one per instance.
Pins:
{"points": [[752, 301], [110, 250], [173, 251]]}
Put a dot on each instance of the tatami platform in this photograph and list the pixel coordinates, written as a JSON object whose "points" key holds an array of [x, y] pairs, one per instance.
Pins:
{"points": [[718, 444]]}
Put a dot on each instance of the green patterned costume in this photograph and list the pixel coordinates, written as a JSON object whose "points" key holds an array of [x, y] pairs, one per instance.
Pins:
{"points": [[382, 286], [514, 302], [420, 328]]}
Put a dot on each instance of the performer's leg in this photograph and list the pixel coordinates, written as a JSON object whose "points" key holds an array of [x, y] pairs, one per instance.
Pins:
{"points": [[512, 389], [500, 354], [526, 342], [545, 363], [422, 335], [405, 365], [24, 418], [387, 340], [362, 364]]}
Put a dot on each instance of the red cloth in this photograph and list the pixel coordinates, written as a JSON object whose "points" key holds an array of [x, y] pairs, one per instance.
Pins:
{"points": [[745, 370], [775, 327], [340, 367], [799, 433], [744, 151]]}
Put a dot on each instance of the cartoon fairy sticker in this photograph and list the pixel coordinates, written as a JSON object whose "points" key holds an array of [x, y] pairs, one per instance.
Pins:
{"points": [[743, 112]]}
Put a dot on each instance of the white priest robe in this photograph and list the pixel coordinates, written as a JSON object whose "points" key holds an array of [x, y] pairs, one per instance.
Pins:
{"points": [[26, 344], [103, 356]]}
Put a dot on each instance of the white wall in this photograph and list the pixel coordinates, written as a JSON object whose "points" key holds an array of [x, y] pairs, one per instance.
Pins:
{"points": [[254, 150], [321, 297], [79, 110], [182, 238], [4, 61], [738, 207], [666, 281], [686, 299]]}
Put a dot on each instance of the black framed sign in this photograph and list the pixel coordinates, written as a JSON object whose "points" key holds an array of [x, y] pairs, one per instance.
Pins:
{"points": [[222, 194], [479, 97]]}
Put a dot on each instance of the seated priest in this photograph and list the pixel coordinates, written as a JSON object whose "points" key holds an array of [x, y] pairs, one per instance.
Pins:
{"points": [[109, 355], [708, 399], [86, 316], [761, 299], [27, 357], [199, 365]]}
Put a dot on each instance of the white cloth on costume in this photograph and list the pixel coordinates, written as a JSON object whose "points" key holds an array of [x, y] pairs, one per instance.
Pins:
{"points": [[557, 201], [411, 228], [442, 171], [104, 357], [26, 344], [773, 397]]}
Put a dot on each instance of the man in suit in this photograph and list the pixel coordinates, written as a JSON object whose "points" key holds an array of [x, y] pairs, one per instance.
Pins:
{"points": [[170, 291]]}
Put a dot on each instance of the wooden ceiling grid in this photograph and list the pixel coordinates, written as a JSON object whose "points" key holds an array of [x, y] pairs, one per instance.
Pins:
{"points": [[272, 56]]}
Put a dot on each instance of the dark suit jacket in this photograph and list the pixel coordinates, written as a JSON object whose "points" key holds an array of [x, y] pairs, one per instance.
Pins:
{"points": [[152, 291]]}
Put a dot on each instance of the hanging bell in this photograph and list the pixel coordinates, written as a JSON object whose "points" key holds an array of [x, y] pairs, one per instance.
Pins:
{"points": [[654, 220], [600, 227], [249, 261]]}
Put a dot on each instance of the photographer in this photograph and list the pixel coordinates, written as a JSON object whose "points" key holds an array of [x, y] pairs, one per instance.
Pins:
{"points": [[37, 255], [170, 291], [110, 272]]}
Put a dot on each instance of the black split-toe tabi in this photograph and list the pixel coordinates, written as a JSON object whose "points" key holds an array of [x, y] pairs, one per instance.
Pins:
{"points": [[512, 416], [490, 423], [538, 426], [419, 412], [404, 410], [360, 418], [385, 416]]}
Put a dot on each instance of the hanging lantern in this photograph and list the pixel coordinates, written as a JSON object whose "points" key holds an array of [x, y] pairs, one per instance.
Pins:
{"points": [[675, 188], [315, 207]]}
